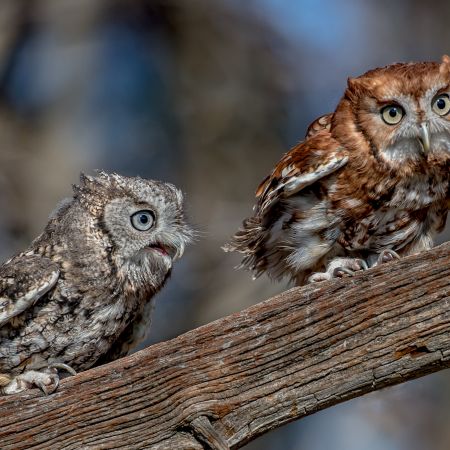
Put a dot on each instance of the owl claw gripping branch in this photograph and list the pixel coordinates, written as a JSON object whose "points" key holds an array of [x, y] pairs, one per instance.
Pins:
{"points": [[81, 294], [370, 180]]}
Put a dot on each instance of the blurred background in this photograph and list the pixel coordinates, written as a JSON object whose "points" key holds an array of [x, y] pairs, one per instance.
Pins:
{"points": [[207, 94]]}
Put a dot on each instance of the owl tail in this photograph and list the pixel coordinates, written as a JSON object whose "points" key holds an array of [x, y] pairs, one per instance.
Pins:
{"points": [[250, 240]]}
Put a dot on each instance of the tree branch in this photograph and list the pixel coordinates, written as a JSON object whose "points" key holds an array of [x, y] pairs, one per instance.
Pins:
{"points": [[225, 383]]}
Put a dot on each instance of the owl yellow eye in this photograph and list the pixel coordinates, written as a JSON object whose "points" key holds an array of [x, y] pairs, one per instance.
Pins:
{"points": [[143, 220], [392, 114], [441, 104]]}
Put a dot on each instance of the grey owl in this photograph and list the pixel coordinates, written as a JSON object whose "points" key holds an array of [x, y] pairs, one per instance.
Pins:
{"points": [[81, 294]]}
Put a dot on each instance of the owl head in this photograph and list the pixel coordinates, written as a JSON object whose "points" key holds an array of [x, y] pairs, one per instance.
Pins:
{"points": [[402, 111], [143, 221]]}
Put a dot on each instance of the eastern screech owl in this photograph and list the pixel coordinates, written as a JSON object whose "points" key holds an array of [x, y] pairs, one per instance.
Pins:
{"points": [[371, 180], [81, 293]]}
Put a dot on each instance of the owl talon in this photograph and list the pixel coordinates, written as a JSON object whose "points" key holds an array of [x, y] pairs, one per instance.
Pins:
{"points": [[386, 256], [340, 272], [49, 388], [363, 264], [63, 366]]}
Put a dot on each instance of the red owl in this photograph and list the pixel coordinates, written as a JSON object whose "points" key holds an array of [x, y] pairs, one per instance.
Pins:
{"points": [[370, 181]]}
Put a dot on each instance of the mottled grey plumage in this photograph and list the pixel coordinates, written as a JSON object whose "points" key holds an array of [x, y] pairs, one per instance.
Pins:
{"points": [[80, 295]]}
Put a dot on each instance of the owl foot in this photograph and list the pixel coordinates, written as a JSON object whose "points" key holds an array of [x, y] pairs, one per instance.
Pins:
{"points": [[46, 380], [386, 256], [63, 366], [338, 268]]}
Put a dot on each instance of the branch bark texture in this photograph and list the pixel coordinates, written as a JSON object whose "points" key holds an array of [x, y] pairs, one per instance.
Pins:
{"points": [[226, 383]]}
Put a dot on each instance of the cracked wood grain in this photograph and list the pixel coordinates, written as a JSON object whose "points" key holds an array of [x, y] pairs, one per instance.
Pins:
{"points": [[225, 383]]}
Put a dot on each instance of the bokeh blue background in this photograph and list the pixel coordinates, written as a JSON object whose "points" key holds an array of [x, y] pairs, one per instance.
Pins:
{"points": [[207, 94]]}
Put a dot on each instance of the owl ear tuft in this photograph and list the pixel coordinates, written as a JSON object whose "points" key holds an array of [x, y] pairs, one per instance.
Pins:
{"points": [[356, 86], [444, 68], [86, 183], [86, 180], [352, 89], [353, 83], [362, 83]]}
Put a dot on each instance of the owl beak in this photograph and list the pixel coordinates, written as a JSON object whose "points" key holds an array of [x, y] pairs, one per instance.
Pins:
{"points": [[424, 137], [168, 249]]}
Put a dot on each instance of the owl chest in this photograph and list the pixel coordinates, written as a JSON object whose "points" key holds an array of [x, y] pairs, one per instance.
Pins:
{"points": [[88, 325], [108, 317], [395, 216]]}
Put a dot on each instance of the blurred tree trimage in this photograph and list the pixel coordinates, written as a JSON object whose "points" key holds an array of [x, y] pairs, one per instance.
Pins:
{"points": [[209, 95]]}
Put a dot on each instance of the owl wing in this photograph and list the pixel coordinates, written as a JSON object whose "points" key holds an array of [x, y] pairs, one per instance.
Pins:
{"points": [[320, 124], [260, 238], [302, 166], [23, 281]]}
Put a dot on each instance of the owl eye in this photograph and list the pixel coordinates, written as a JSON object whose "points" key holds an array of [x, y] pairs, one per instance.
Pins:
{"points": [[441, 104], [392, 114], [143, 220]]}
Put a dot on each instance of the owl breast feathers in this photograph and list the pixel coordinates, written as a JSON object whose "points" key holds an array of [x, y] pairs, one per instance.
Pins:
{"points": [[370, 178], [81, 293]]}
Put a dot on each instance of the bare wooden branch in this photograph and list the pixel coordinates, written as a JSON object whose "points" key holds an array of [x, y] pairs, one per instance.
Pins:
{"points": [[224, 384]]}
